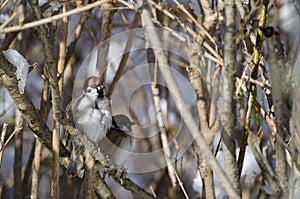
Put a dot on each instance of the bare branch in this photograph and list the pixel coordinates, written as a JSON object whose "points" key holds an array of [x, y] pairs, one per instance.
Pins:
{"points": [[53, 18], [18, 156], [125, 55], [280, 98], [104, 43], [2, 145], [229, 103], [36, 169]]}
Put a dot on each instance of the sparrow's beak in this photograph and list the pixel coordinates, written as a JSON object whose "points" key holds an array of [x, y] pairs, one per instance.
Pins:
{"points": [[101, 91]]}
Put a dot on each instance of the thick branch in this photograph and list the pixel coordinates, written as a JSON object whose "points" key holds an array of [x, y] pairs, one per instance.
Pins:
{"points": [[278, 75], [229, 106]]}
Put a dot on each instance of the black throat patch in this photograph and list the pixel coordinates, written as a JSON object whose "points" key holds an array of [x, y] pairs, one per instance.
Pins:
{"points": [[96, 105]]}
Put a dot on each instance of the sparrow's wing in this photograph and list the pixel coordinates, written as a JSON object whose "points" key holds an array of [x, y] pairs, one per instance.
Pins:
{"points": [[118, 142], [122, 123], [68, 111], [72, 143], [117, 136], [114, 123], [69, 115]]}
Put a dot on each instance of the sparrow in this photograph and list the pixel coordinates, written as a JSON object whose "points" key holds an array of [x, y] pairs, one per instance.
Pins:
{"points": [[92, 116]]}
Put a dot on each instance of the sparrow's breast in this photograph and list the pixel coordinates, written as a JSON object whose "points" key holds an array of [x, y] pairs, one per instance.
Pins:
{"points": [[94, 124]]}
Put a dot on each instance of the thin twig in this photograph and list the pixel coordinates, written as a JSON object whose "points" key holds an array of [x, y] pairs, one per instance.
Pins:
{"points": [[3, 4], [256, 60], [240, 83], [45, 108], [62, 49], [26, 189], [202, 31], [56, 125], [125, 55], [262, 162], [161, 126], [12, 35], [130, 6], [75, 36], [180, 184], [104, 42], [213, 116], [36, 169], [263, 113], [209, 15], [18, 156], [2, 145], [53, 18], [8, 20], [3, 133], [196, 36], [11, 137]]}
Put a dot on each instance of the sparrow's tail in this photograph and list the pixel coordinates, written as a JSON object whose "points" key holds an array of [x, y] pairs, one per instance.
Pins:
{"points": [[73, 165]]}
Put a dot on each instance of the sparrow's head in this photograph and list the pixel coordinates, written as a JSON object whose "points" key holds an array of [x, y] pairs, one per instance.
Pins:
{"points": [[94, 85]]}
